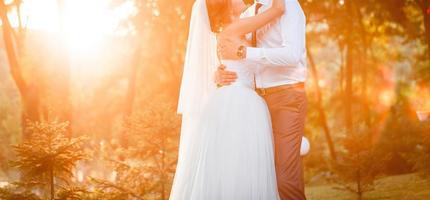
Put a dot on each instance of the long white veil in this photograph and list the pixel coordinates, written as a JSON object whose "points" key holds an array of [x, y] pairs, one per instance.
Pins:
{"points": [[201, 61]]}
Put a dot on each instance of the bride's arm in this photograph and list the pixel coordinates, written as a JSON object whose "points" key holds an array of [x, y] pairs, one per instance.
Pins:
{"points": [[250, 24]]}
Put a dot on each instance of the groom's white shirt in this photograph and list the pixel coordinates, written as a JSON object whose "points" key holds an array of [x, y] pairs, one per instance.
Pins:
{"points": [[281, 51]]}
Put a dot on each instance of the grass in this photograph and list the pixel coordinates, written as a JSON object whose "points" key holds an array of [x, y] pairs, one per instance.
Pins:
{"points": [[401, 187]]}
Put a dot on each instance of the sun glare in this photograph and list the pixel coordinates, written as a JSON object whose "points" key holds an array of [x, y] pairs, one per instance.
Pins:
{"points": [[85, 22], [39, 15], [386, 97]]}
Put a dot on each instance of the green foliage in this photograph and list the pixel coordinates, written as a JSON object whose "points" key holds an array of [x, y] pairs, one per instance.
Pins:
{"points": [[47, 158], [400, 136], [357, 168], [146, 165], [381, 43], [10, 193], [48, 150], [420, 159], [72, 193], [9, 128]]}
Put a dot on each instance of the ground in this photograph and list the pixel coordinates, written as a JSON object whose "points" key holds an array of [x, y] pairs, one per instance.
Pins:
{"points": [[401, 187]]}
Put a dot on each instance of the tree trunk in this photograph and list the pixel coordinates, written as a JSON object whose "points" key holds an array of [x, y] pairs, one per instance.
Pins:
{"points": [[29, 92], [64, 85], [349, 73], [163, 172], [131, 91], [358, 179], [348, 90], [51, 182], [20, 27], [427, 25], [10, 50], [323, 118], [364, 61], [342, 68]]}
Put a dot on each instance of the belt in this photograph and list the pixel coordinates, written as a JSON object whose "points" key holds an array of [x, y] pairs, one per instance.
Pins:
{"points": [[276, 89]]}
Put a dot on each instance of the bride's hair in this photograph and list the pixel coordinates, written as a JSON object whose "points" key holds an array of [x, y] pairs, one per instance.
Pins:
{"points": [[219, 12]]}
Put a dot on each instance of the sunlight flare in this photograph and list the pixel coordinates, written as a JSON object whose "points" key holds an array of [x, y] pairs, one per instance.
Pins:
{"points": [[386, 97], [83, 24]]}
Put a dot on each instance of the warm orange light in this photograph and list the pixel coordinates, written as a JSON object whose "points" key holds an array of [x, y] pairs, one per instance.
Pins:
{"points": [[421, 100], [386, 97], [80, 176], [4, 184], [321, 83], [84, 24], [113, 176], [423, 115], [38, 15]]}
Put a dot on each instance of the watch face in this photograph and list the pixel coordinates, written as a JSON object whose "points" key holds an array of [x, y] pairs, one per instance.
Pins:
{"points": [[248, 2]]}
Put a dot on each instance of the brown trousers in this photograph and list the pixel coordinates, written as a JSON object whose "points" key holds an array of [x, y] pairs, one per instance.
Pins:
{"points": [[288, 111]]}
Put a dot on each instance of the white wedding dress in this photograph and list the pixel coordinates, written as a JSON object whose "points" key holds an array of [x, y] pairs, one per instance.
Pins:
{"points": [[231, 156]]}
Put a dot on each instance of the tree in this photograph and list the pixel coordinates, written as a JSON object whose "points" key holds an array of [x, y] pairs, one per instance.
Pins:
{"points": [[47, 158], [400, 135], [32, 90], [421, 160], [29, 91], [413, 19], [145, 168], [322, 114], [357, 168], [356, 27]]}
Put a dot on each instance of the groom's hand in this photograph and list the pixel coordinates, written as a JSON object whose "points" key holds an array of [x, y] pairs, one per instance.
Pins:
{"points": [[228, 49], [224, 77]]}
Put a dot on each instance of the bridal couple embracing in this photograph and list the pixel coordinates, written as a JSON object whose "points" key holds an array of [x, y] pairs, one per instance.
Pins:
{"points": [[243, 102]]}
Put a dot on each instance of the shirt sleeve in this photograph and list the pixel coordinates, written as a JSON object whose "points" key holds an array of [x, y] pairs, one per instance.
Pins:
{"points": [[292, 50]]}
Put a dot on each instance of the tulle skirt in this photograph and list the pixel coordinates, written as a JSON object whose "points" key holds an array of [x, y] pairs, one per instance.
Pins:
{"points": [[227, 152]]}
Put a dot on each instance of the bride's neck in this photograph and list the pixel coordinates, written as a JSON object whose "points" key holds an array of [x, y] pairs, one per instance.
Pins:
{"points": [[235, 17]]}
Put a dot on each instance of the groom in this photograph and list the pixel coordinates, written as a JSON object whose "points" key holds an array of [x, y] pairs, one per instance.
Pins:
{"points": [[280, 56]]}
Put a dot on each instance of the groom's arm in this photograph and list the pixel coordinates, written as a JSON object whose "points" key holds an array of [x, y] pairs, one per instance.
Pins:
{"points": [[223, 77], [290, 52], [293, 29]]}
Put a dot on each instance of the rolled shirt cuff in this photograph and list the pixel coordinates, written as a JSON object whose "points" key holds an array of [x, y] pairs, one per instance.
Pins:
{"points": [[253, 54]]}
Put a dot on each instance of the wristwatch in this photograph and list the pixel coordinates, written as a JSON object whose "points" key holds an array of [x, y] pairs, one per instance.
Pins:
{"points": [[241, 52]]}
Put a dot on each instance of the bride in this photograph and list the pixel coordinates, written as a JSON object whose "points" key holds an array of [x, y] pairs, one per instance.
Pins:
{"points": [[226, 147]]}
